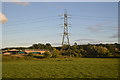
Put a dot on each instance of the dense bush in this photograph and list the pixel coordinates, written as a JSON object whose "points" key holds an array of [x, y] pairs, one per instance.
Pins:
{"points": [[55, 53], [30, 54], [96, 50], [47, 54], [41, 46]]}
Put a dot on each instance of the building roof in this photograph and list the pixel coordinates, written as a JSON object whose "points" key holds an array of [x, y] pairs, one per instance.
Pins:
{"points": [[35, 52], [21, 52]]}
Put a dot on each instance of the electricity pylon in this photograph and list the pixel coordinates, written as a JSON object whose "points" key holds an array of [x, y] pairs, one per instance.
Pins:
{"points": [[65, 37]]}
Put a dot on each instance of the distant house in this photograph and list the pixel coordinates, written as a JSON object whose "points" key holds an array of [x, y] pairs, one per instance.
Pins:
{"points": [[6, 53], [13, 51], [26, 51], [10, 52], [22, 53], [35, 51]]}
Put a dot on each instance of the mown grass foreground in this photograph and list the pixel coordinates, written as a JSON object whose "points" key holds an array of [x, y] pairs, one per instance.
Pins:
{"points": [[61, 68]]}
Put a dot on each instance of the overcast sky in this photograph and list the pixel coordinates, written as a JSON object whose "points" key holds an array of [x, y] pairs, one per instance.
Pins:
{"points": [[38, 22]]}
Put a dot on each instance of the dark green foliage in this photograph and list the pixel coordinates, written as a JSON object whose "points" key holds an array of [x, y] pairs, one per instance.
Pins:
{"points": [[41, 46], [30, 54], [75, 54], [96, 50], [55, 53], [47, 54]]}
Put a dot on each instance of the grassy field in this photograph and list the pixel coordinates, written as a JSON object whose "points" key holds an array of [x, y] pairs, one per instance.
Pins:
{"points": [[61, 68]]}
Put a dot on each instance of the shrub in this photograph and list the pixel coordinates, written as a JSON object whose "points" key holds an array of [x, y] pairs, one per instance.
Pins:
{"points": [[75, 54], [30, 54], [47, 54], [102, 50], [55, 53]]}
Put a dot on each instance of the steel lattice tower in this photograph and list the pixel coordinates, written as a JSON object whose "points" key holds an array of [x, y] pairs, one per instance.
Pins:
{"points": [[65, 38]]}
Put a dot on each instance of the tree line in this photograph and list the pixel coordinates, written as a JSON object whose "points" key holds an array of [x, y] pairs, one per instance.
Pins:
{"points": [[89, 50]]}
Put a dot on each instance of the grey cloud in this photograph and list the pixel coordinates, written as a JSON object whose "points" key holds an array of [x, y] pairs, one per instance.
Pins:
{"points": [[97, 27], [89, 40], [56, 43], [114, 36]]}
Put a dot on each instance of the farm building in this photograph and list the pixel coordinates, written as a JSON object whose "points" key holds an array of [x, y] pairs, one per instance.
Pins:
{"points": [[12, 51], [22, 53], [36, 51], [6, 53]]}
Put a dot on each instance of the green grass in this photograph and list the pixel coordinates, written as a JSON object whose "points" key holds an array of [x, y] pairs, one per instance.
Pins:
{"points": [[61, 68]]}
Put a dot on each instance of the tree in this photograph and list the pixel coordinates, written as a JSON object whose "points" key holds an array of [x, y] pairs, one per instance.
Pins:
{"points": [[35, 46], [69, 52], [65, 47], [111, 48], [75, 46], [82, 51], [89, 50], [77, 51], [47, 54], [101, 50], [55, 53], [30, 54], [41, 46], [48, 46], [75, 43], [75, 54]]}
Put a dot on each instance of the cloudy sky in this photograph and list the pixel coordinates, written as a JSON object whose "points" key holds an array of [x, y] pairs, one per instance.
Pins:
{"points": [[37, 22]]}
